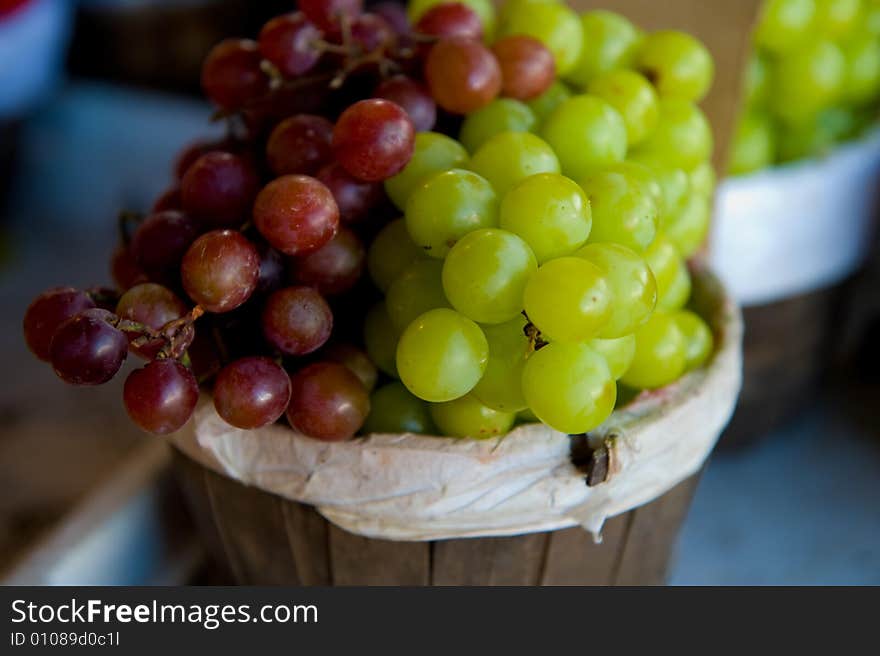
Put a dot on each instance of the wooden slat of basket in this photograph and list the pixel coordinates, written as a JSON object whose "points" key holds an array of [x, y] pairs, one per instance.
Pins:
{"points": [[574, 558], [515, 560], [356, 560], [307, 536]]}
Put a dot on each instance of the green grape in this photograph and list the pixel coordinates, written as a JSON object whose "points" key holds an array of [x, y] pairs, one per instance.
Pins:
{"points": [[682, 139], [587, 134], [569, 387], [632, 286], [500, 388], [467, 417], [698, 339], [394, 410], [391, 252], [611, 42], [634, 97], [677, 64], [689, 228], [807, 80], [432, 154], [555, 95], [483, 8], [550, 212], [380, 339], [623, 210], [674, 185], [618, 353], [568, 299], [509, 157], [664, 260], [660, 356], [485, 274], [500, 115], [446, 207], [862, 84], [553, 24], [702, 180], [871, 20], [441, 355], [643, 175], [416, 290], [753, 147], [757, 82], [837, 18], [802, 140], [785, 24], [677, 294]]}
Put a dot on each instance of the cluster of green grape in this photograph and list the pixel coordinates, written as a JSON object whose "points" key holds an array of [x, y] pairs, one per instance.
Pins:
{"points": [[813, 80], [539, 267]]}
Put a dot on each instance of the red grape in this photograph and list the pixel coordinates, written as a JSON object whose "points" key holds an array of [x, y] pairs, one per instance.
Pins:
{"points": [[372, 32], [373, 139], [231, 74], [527, 66], [462, 75], [296, 214], [333, 268], [272, 269], [220, 270], [124, 268], [160, 242], [161, 397], [86, 350], [354, 198], [356, 360], [219, 188], [413, 97], [297, 320], [288, 42], [48, 311], [328, 402], [169, 200], [394, 14], [251, 392], [154, 306], [327, 14], [451, 19], [188, 156], [300, 144]]}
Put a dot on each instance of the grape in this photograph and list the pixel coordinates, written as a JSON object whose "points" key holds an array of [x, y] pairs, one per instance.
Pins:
{"points": [[153, 306], [413, 97], [394, 410], [296, 214], [391, 252], [671, 185], [381, 338], [802, 140], [485, 273], [335, 267], [86, 350], [623, 210], [328, 403], [632, 286], [550, 212], [433, 153], [160, 242], [354, 198], [251, 392], [450, 19], [500, 387], [555, 25], [669, 271], [633, 97], [447, 207], [808, 80], [660, 353], [354, 359], [500, 115], [288, 42], [231, 74], [219, 189], [757, 80], [161, 397], [484, 9], [394, 14], [468, 417], [556, 94], [568, 299], [373, 139], [836, 19], [441, 355], [569, 387], [462, 75], [220, 270], [618, 353], [510, 157], [862, 53], [272, 269], [47, 312], [677, 64], [300, 144], [871, 20], [188, 156], [416, 290], [698, 338], [702, 180], [296, 320], [611, 42], [784, 24], [676, 295], [587, 134], [527, 66], [124, 269], [329, 14], [689, 228], [371, 32], [683, 137], [170, 199]]}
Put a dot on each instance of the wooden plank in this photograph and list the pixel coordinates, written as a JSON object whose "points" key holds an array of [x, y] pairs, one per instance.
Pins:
{"points": [[517, 560], [308, 541], [573, 558], [356, 560]]}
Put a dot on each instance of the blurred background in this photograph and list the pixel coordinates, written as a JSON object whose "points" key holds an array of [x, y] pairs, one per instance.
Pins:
{"points": [[97, 97]]}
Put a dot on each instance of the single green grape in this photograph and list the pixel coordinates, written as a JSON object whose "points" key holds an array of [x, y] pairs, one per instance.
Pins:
{"points": [[677, 294], [677, 64], [568, 299], [500, 115], [510, 157], [664, 260], [837, 19], [432, 154], [618, 353], [611, 42], [702, 180], [682, 139], [862, 84], [380, 339], [623, 210], [550, 212], [485, 274], [587, 134], [808, 80], [633, 97], [467, 417], [689, 228], [698, 339], [757, 81], [500, 388], [391, 252], [569, 387], [446, 207], [556, 94], [632, 286], [553, 24], [785, 24], [754, 144], [394, 410], [660, 356], [416, 290], [441, 355], [483, 8]]}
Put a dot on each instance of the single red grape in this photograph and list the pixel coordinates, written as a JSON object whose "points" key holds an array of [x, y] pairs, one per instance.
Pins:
{"points": [[329, 402], [327, 14], [161, 397], [124, 268], [451, 19], [169, 200], [527, 66], [251, 392], [462, 74], [288, 41], [296, 214], [335, 267], [231, 74], [373, 139], [394, 14], [220, 270], [48, 311], [272, 269], [354, 198], [86, 350], [219, 189], [356, 360], [154, 306], [297, 320], [300, 144], [160, 242], [413, 97], [372, 32]]}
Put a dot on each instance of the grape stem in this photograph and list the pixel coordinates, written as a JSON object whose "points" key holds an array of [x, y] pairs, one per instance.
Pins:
{"points": [[536, 341]]}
